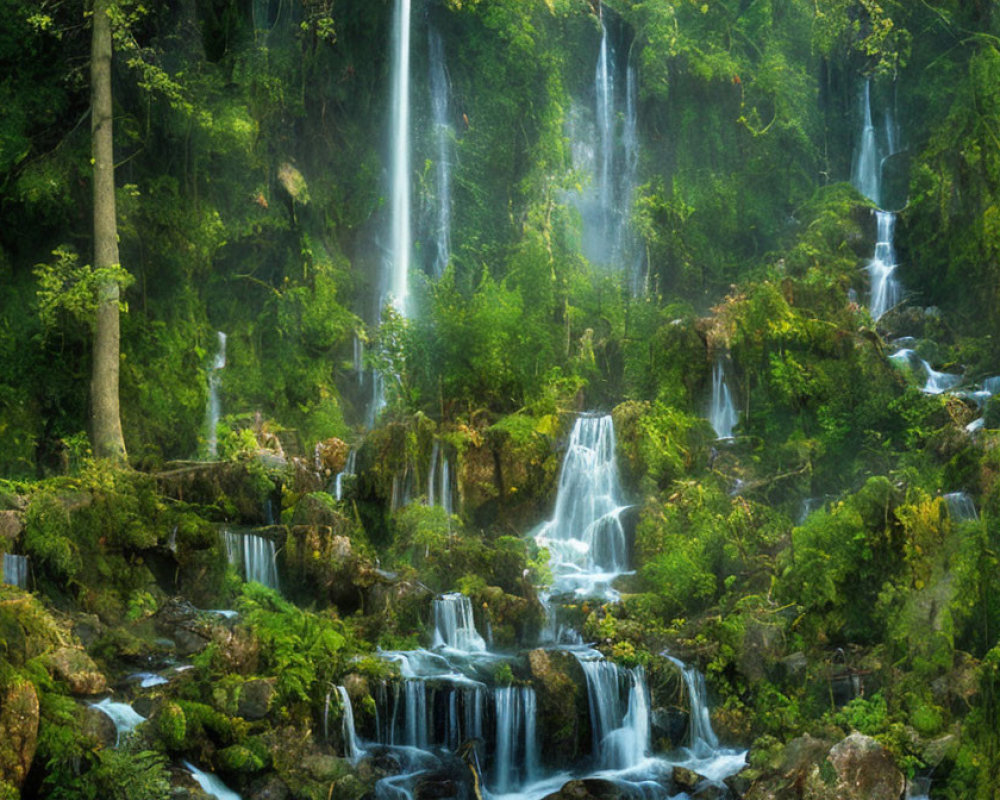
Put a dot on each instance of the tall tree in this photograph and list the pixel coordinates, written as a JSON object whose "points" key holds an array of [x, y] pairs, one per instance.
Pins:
{"points": [[106, 426]]}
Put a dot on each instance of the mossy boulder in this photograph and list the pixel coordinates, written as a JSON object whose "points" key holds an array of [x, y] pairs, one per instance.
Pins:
{"points": [[590, 789], [19, 719], [256, 697], [558, 681], [323, 562], [77, 670]]}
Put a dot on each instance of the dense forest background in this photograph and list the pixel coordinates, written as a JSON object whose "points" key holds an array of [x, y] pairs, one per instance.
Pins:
{"points": [[252, 144]]}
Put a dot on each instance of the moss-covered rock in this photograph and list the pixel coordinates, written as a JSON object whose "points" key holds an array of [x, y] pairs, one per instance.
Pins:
{"points": [[77, 670], [19, 719], [558, 682]]}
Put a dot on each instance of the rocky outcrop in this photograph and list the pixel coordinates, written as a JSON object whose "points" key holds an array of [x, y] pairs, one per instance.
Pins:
{"points": [[77, 670], [856, 768], [590, 789], [255, 698], [322, 562], [558, 682]]}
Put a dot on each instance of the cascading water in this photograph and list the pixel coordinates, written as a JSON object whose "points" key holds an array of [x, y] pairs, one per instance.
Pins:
{"points": [[885, 290], [211, 784], [605, 146], [353, 745], [396, 288], [721, 411], [122, 714], [255, 555], [443, 139], [454, 625], [515, 762], [349, 467], [15, 570], [214, 409], [585, 537], [619, 726], [439, 489], [961, 507]]}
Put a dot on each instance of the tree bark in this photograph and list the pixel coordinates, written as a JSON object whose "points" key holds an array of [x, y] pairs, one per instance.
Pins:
{"points": [[105, 418]]}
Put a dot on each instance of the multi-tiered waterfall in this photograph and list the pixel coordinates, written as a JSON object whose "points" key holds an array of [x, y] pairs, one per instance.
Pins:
{"points": [[585, 537], [873, 149], [448, 695]]}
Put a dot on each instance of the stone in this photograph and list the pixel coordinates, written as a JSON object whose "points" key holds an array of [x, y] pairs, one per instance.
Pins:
{"points": [[670, 724], [189, 642], [865, 770], [559, 699], [78, 670], [589, 789], [317, 508], [331, 455], [255, 698], [18, 731], [271, 788], [11, 526], [98, 726], [686, 779]]}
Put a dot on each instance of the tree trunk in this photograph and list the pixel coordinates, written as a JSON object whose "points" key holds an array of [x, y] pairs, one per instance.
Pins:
{"points": [[105, 419]]}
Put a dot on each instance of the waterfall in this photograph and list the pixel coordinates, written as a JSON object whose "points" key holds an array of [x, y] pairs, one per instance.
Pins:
{"points": [[432, 472], [886, 291], [255, 555], [214, 409], [397, 288], [585, 536], [604, 92], [443, 136], [516, 751], [15, 570], [122, 714], [349, 469], [621, 731], [354, 750], [211, 784], [454, 625], [938, 382], [701, 736], [446, 485], [961, 508], [626, 251], [721, 412], [439, 479]]}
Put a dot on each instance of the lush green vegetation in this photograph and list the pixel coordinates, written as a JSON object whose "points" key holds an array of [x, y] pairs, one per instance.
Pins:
{"points": [[250, 147]]}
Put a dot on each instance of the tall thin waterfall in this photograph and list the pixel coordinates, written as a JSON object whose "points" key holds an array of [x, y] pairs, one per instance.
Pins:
{"points": [[721, 411], [701, 736], [255, 555], [439, 489], [620, 726], [454, 625], [961, 507], [516, 752], [605, 147], [443, 138], [15, 570], [214, 409], [354, 749], [349, 466], [397, 288], [585, 536], [885, 290]]}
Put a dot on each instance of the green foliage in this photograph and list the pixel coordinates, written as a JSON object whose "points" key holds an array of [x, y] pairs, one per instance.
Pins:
{"points": [[65, 286], [46, 537]]}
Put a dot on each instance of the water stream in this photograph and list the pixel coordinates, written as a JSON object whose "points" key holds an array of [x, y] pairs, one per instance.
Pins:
{"points": [[214, 408], [211, 784], [721, 411], [443, 141], [15, 570], [396, 288], [122, 714], [255, 555]]}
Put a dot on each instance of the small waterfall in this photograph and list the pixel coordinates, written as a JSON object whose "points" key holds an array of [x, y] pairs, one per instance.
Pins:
{"points": [[886, 291], [439, 489], [454, 625], [702, 738], [961, 507], [938, 382], [210, 784], [446, 485], [349, 469], [721, 412], [15, 570], [516, 751], [214, 410], [432, 472], [585, 536], [434, 710], [397, 288], [354, 749], [621, 730], [443, 137], [255, 555], [122, 714]]}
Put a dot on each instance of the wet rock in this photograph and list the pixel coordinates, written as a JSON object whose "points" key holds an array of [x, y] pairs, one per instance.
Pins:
{"points": [[98, 726], [739, 783], [18, 731], [865, 770], [331, 455], [790, 768], [255, 698], [322, 562], [686, 779], [669, 724], [271, 788], [589, 789], [559, 696], [78, 670], [189, 642]]}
